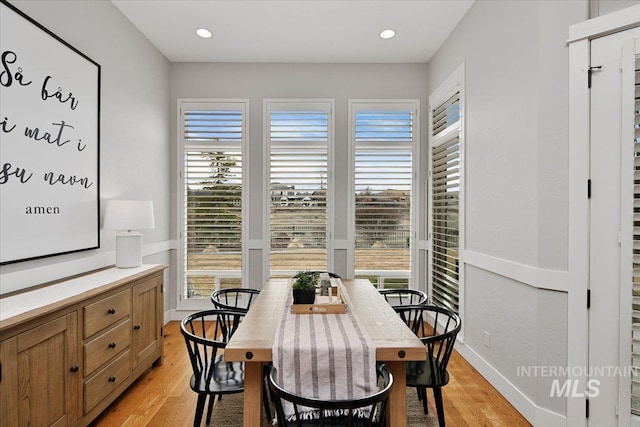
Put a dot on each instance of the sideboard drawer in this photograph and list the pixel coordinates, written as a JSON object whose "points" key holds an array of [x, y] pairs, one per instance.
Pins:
{"points": [[106, 380], [103, 348], [105, 312]]}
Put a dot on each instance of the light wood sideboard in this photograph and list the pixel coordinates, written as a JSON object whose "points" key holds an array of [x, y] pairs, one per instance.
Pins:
{"points": [[69, 349]]}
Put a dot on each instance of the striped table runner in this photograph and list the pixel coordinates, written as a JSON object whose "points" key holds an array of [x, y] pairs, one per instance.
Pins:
{"points": [[326, 356]]}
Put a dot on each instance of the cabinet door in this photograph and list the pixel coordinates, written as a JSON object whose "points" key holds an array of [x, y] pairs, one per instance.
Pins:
{"points": [[147, 319], [40, 375]]}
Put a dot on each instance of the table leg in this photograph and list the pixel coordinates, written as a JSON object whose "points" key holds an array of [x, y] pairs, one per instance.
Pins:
{"points": [[397, 407], [252, 394]]}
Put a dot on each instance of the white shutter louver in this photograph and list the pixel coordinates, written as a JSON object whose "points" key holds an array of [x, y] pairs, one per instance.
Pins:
{"points": [[213, 199], [299, 126], [635, 330], [446, 191], [213, 125], [383, 180], [298, 186], [446, 114], [445, 176]]}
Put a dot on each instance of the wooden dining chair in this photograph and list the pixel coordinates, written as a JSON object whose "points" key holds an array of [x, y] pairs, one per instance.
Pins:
{"points": [[234, 298], [366, 411], [212, 375], [397, 297], [437, 328]]}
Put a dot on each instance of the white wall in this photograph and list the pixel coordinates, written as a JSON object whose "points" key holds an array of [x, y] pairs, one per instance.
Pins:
{"points": [[604, 7], [516, 255], [259, 81], [134, 123]]}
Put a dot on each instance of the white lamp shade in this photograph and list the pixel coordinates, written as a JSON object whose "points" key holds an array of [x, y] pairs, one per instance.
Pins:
{"points": [[128, 215]]}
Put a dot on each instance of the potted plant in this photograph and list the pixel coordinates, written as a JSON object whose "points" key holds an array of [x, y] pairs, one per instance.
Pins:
{"points": [[304, 287]]}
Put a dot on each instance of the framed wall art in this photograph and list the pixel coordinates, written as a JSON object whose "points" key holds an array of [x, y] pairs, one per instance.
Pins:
{"points": [[49, 142]]}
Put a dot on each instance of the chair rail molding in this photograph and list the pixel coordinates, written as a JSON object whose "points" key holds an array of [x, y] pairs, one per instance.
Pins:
{"points": [[540, 278], [34, 276]]}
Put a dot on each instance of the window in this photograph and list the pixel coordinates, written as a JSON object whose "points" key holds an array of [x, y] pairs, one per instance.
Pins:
{"points": [[446, 188], [298, 135], [213, 135], [383, 139]]}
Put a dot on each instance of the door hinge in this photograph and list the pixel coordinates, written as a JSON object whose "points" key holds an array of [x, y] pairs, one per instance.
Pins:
{"points": [[0, 372], [588, 298], [587, 409], [590, 71], [588, 189], [161, 331]]}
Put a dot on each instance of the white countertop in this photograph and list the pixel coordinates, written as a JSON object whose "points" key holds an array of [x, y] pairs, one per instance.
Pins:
{"points": [[32, 300]]}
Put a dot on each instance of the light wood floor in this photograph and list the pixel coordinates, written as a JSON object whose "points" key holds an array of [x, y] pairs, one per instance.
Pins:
{"points": [[162, 396]]}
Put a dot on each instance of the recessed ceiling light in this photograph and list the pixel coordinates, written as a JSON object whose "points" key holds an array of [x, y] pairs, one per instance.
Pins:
{"points": [[204, 33], [387, 34]]}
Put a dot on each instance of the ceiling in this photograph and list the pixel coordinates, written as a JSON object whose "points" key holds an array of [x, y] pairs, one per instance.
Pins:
{"points": [[296, 30]]}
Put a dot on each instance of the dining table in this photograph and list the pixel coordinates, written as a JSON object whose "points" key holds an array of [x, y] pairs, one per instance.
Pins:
{"points": [[253, 342]]}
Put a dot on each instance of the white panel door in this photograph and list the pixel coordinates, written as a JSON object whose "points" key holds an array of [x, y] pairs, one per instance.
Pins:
{"points": [[612, 156]]}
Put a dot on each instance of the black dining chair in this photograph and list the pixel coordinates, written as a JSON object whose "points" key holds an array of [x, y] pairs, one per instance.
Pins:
{"points": [[397, 297], [234, 298], [437, 328], [366, 411], [212, 375], [240, 299], [330, 274]]}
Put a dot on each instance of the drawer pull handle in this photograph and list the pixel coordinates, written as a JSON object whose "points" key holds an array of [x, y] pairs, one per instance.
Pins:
{"points": [[74, 368], [111, 311], [112, 379], [136, 327], [112, 345]]}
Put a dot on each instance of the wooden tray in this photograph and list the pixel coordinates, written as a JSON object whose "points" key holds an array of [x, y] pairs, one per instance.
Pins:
{"points": [[321, 306]]}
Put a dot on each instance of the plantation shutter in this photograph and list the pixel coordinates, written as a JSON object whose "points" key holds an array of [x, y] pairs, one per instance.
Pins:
{"points": [[214, 203], [383, 180], [212, 199], [213, 126], [635, 330], [298, 188], [445, 172], [446, 114]]}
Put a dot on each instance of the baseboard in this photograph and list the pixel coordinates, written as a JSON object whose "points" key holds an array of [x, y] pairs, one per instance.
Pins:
{"points": [[545, 417], [537, 416], [176, 315]]}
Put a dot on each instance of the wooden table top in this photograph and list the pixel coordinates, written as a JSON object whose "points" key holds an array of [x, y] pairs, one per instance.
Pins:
{"points": [[254, 338]]}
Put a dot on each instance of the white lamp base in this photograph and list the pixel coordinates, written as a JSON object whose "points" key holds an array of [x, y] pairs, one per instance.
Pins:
{"points": [[128, 249]]}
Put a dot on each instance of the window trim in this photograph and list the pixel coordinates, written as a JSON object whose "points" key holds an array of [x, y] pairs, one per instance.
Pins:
{"points": [[181, 145], [292, 104], [413, 105]]}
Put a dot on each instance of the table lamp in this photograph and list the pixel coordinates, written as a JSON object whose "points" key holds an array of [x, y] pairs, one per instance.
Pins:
{"points": [[127, 216]]}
